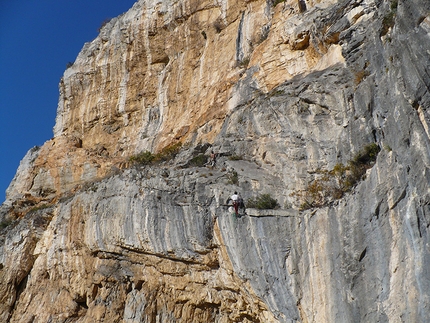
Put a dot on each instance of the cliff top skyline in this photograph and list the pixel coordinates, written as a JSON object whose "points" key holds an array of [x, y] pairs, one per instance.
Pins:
{"points": [[38, 40]]}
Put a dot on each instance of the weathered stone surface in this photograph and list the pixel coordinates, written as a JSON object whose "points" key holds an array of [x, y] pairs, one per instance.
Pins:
{"points": [[281, 93]]}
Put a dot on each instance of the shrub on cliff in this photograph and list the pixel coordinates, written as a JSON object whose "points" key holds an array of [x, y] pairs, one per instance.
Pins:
{"points": [[143, 158], [389, 19], [233, 178], [148, 158], [235, 157], [198, 161], [276, 2], [5, 223], [168, 153], [262, 202], [332, 185]]}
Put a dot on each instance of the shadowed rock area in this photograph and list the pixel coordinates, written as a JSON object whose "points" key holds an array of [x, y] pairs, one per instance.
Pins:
{"points": [[319, 106]]}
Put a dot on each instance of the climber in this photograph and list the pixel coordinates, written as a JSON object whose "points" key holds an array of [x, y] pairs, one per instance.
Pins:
{"points": [[236, 200], [212, 159], [302, 5]]}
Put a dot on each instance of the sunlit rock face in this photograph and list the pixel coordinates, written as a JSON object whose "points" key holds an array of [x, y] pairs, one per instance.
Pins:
{"points": [[172, 71], [284, 93]]}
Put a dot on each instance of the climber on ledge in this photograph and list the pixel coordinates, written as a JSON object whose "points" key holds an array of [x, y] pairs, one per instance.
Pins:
{"points": [[236, 202], [212, 159]]}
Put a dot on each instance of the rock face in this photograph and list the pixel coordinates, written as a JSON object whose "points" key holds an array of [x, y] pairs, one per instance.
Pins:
{"points": [[284, 92]]}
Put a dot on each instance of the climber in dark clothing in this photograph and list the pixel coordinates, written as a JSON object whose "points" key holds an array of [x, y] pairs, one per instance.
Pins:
{"points": [[302, 5]]}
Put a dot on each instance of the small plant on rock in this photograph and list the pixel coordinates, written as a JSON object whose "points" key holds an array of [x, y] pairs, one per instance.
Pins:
{"points": [[262, 202], [388, 148], [169, 152], [276, 2], [235, 157], [148, 158], [244, 62], [143, 158], [198, 161], [233, 178], [367, 155], [389, 19], [332, 185], [40, 207], [5, 223]]}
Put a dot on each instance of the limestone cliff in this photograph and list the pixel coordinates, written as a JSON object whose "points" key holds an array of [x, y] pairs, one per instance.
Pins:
{"points": [[288, 93]]}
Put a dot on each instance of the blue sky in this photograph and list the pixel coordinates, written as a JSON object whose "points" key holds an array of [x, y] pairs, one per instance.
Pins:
{"points": [[37, 39]]}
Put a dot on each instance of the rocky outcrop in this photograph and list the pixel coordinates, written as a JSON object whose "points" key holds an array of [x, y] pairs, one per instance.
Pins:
{"points": [[284, 93]]}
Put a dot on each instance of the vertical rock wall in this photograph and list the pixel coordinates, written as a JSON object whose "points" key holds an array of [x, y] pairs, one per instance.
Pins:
{"points": [[168, 72], [282, 93]]}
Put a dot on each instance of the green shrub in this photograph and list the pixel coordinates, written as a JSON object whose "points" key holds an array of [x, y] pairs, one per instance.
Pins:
{"points": [[244, 62], [198, 161], [143, 158], [332, 185], [389, 19], [148, 158], [235, 157], [40, 207], [262, 202], [387, 22], [169, 152], [367, 155], [5, 223], [276, 2], [233, 178]]}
